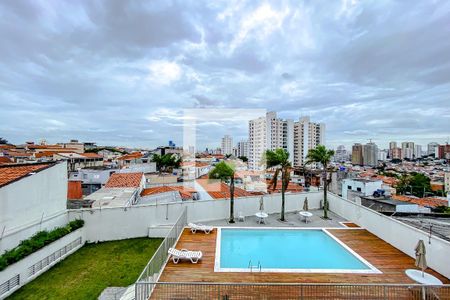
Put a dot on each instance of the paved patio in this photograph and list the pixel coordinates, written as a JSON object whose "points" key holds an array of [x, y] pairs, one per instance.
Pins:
{"points": [[293, 220]]}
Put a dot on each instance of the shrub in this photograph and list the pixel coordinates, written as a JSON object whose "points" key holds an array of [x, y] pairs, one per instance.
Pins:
{"points": [[36, 242]]}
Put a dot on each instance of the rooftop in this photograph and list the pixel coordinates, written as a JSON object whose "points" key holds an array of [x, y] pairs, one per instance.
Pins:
{"points": [[124, 180], [12, 173], [185, 192]]}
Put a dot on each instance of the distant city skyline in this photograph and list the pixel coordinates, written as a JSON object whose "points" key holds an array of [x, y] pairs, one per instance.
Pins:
{"points": [[121, 73]]}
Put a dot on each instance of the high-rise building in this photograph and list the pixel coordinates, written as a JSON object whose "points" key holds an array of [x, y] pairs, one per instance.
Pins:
{"points": [[444, 151], [357, 154], [270, 133], [242, 148], [341, 154], [370, 154], [417, 151], [392, 147], [227, 145], [307, 135], [432, 148], [408, 150], [383, 154], [395, 153]]}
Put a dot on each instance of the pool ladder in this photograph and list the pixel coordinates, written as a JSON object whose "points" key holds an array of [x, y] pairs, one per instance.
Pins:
{"points": [[251, 266]]}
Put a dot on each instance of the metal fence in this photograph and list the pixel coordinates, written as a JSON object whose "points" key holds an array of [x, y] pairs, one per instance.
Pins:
{"points": [[151, 272], [54, 257], [285, 291], [9, 285]]}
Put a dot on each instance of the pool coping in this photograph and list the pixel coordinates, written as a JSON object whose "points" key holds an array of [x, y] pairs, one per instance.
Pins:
{"points": [[372, 269]]}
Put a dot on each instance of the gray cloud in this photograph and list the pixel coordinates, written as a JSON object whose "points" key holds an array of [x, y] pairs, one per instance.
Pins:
{"points": [[121, 72]]}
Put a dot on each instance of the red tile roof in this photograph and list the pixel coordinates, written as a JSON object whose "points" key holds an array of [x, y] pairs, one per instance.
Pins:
{"points": [[11, 173], [185, 192], [124, 180], [5, 160], [427, 202], [198, 164], [91, 155], [221, 190], [44, 154], [74, 190], [292, 187], [130, 156]]}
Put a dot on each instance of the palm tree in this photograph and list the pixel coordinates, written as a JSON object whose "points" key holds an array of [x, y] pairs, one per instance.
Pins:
{"points": [[323, 156], [279, 159], [224, 171]]}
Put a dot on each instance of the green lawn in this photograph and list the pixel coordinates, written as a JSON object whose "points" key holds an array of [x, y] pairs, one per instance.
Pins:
{"points": [[87, 272]]}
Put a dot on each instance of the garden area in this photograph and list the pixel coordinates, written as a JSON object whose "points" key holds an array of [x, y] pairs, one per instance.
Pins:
{"points": [[87, 272]]}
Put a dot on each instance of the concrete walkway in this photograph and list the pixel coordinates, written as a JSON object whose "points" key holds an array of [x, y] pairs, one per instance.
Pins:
{"points": [[293, 220]]}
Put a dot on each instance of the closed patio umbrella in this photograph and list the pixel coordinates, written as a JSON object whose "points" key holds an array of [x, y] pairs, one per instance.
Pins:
{"points": [[421, 261], [261, 204], [305, 204]]}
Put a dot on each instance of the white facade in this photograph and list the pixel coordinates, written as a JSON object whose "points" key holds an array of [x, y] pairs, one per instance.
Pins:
{"points": [[447, 182], [382, 155], [307, 135], [227, 145], [408, 150], [33, 203], [242, 148], [417, 151], [270, 133], [364, 186], [432, 148]]}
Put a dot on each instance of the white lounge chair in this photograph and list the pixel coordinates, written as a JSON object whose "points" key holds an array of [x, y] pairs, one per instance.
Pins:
{"points": [[200, 227], [193, 256]]}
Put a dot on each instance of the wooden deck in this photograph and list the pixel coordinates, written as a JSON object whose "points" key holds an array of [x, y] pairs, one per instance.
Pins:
{"points": [[390, 261]]}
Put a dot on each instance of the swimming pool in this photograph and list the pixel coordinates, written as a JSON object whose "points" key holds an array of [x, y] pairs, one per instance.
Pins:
{"points": [[285, 250]]}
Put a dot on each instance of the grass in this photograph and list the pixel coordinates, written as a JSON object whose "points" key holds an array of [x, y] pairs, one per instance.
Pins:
{"points": [[87, 272]]}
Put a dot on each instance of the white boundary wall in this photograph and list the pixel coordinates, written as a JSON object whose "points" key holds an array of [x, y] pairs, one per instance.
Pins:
{"points": [[154, 220], [27, 269], [400, 235]]}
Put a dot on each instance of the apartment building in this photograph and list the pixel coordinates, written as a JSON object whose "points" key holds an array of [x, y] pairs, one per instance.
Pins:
{"points": [[357, 154], [370, 154], [227, 145], [408, 150], [242, 148], [270, 132]]}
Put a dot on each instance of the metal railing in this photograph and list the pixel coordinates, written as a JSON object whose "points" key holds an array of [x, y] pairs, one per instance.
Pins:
{"points": [[9, 284], [238, 291], [151, 272], [54, 257]]}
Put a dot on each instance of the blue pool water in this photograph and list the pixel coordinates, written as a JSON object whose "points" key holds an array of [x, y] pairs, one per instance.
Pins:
{"points": [[284, 249]]}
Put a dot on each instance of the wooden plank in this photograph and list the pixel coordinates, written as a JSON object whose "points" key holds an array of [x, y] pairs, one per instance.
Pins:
{"points": [[389, 260]]}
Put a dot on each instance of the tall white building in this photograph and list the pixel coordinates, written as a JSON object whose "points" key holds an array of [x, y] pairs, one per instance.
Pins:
{"points": [[341, 154], [408, 150], [242, 148], [417, 151], [270, 133], [307, 135], [227, 145], [432, 148]]}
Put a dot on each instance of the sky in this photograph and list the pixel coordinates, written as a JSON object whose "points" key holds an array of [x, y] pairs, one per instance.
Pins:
{"points": [[123, 72]]}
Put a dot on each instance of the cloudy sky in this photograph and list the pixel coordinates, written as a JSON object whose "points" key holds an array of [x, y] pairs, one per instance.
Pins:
{"points": [[122, 72]]}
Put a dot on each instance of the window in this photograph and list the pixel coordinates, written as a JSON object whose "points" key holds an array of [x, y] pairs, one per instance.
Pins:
{"points": [[349, 187], [358, 189]]}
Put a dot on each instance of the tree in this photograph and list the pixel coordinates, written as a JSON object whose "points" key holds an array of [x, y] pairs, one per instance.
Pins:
{"points": [[3, 141], [225, 171], [279, 159], [243, 158], [166, 163], [323, 156], [415, 183]]}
